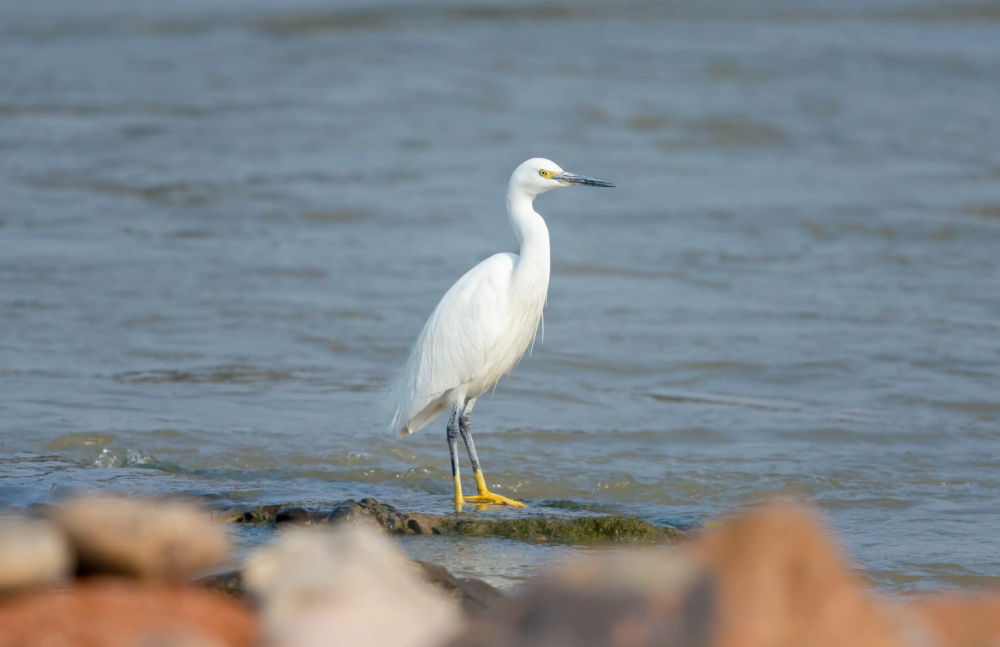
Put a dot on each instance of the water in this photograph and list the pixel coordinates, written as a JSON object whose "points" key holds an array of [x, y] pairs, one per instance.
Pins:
{"points": [[223, 223]]}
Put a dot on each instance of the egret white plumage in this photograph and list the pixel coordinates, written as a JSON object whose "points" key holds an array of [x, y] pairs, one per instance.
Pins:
{"points": [[481, 327]]}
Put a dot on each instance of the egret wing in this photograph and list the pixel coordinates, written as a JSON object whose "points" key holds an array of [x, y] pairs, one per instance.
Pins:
{"points": [[455, 345]]}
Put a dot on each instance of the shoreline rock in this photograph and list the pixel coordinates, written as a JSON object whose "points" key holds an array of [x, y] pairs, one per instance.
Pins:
{"points": [[589, 529]]}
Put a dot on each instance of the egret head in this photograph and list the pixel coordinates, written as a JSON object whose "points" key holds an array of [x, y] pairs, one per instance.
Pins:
{"points": [[539, 175]]}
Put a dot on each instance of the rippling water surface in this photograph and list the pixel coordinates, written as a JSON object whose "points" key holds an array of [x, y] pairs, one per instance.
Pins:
{"points": [[223, 223]]}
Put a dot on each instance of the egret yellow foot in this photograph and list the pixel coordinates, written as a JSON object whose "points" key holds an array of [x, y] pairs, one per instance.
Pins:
{"points": [[485, 496], [497, 499]]}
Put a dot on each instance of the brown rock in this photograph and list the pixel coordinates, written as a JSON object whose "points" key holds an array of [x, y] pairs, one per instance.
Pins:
{"points": [[141, 538], [472, 593], [124, 613], [953, 621], [780, 581], [768, 578], [32, 553], [371, 511]]}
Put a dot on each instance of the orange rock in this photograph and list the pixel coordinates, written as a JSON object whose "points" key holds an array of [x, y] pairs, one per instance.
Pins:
{"points": [[780, 581], [955, 620], [124, 613]]}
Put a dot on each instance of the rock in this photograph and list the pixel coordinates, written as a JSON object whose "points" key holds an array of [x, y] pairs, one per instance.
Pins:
{"points": [[577, 530], [32, 553], [384, 516], [955, 620], [472, 593], [572, 530], [293, 517], [781, 581], [125, 613], [348, 586], [141, 538], [770, 577]]}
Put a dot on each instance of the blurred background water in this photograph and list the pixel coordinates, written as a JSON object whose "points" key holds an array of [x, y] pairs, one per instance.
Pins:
{"points": [[223, 223]]}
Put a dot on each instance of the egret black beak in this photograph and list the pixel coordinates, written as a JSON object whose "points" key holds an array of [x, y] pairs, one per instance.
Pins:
{"points": [[573, 178]]}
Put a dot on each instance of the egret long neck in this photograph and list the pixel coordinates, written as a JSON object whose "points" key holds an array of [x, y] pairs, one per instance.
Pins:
{"points": [[531, 232]]}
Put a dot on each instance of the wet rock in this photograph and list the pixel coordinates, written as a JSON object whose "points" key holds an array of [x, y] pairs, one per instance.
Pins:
{"points": [[126, 613], [349, 586], [32, 553], [141, 538], [261, 514], [384, 516], [578, 530], [581, 530], [293, 517], [472, 593]]}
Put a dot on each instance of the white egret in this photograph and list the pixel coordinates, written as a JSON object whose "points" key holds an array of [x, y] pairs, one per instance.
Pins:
{"points": [[481, 327]]}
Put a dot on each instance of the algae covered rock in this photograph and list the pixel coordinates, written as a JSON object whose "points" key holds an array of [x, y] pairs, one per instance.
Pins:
{"points": [[532, 527], [578, 530]]}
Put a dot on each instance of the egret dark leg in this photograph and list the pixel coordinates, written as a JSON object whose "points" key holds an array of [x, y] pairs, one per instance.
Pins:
{"points": [[466, 431], [484, 496], [453, 433]]}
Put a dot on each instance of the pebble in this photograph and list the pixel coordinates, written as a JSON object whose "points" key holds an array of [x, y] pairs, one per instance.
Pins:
{"points": [[32, 552], [156, 539]]}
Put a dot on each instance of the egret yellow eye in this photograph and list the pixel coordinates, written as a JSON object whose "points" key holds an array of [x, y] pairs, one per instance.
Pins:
{"points": [[545, 173]]}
